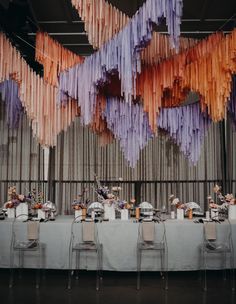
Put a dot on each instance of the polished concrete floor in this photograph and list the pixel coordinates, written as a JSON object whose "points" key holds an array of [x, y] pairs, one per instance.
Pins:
{"points": [[116, 288]]}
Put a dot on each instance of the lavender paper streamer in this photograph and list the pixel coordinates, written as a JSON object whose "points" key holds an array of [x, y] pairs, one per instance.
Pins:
{"points": [[187, 126], [122, 54], [9, 92], [129, 124], [232, 101]]}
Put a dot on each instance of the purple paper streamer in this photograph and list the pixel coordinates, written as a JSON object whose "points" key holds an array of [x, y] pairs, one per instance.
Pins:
{"points": [[187, 126], [129, 125], [122, 54], [9, 92], [232, 101]]}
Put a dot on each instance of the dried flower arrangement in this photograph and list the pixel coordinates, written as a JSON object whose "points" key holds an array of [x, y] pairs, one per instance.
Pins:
{"points": [[36, 199], [186, 206], [14, 199], [80, 202], [225, 200]]}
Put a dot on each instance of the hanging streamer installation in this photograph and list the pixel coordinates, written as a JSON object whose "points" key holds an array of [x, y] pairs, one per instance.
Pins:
{"points": [[37, 97]]}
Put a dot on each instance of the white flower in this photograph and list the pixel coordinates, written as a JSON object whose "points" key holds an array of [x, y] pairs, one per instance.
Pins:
{"points": [[216, 188], [175, 201]]}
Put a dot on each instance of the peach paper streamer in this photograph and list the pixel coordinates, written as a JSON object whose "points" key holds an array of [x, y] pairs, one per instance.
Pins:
{"points": [[102, 20], [38, 97], [54, 57]]}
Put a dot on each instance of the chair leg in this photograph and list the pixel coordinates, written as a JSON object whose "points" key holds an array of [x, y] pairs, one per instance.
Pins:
{"points": [[200, 264], [224, 266], [166, 269], [38, 270], [21, 263], [139, 254], [232, 278], [101, 262], [69, 271], [205, 270], [98, 268], [77, 262], [11, 279]]}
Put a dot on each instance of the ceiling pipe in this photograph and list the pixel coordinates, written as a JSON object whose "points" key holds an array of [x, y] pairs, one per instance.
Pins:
{"points": [[161, 32]]}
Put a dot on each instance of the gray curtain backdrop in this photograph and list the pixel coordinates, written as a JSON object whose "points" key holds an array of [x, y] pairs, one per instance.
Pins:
{"points": [[161, 170]]}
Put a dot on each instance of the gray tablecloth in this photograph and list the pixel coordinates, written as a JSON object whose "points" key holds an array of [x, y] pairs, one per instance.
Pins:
{"points": [[119, 239]]}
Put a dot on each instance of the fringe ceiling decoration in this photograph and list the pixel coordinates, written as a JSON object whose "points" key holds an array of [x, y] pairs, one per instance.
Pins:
{"points": [[10, 95], [160, 48], [37, 97], [122, 54], [99, 124], [232, 101], [54, 57], [205, 68], [187, 126], [101, 20], [129, 124]]}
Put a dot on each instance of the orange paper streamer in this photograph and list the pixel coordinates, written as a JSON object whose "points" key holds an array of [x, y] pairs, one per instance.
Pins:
{"points": [[54, 57], [37, 97], [206, 68], [160, 48], [101, 20], [99, 125]]}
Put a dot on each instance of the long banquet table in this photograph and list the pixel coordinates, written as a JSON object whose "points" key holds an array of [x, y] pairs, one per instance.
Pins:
{"points": [[119, 239]]}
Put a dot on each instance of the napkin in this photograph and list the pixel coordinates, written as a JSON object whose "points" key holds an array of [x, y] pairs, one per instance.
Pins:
{"points": [[33, 230], [88, 232], [210, 230], [148, 231]]}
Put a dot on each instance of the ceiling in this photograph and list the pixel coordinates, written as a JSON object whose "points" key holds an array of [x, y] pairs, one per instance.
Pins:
{"points": [[20, 19]]}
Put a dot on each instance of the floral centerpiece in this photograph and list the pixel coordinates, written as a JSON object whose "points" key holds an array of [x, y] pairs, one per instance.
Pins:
{"points": [[226, 200], [189, 208], [110, 199], [80, 202], [36, 199], [174, 201], [14, 199]]}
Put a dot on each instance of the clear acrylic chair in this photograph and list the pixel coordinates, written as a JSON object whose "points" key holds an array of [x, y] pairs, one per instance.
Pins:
{"points": [[217, 245], [25, 242], [152, 237], [84, 238]]}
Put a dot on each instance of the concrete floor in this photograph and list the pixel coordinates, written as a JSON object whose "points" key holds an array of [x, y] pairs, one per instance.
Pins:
{"points": [[116, 288]]}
